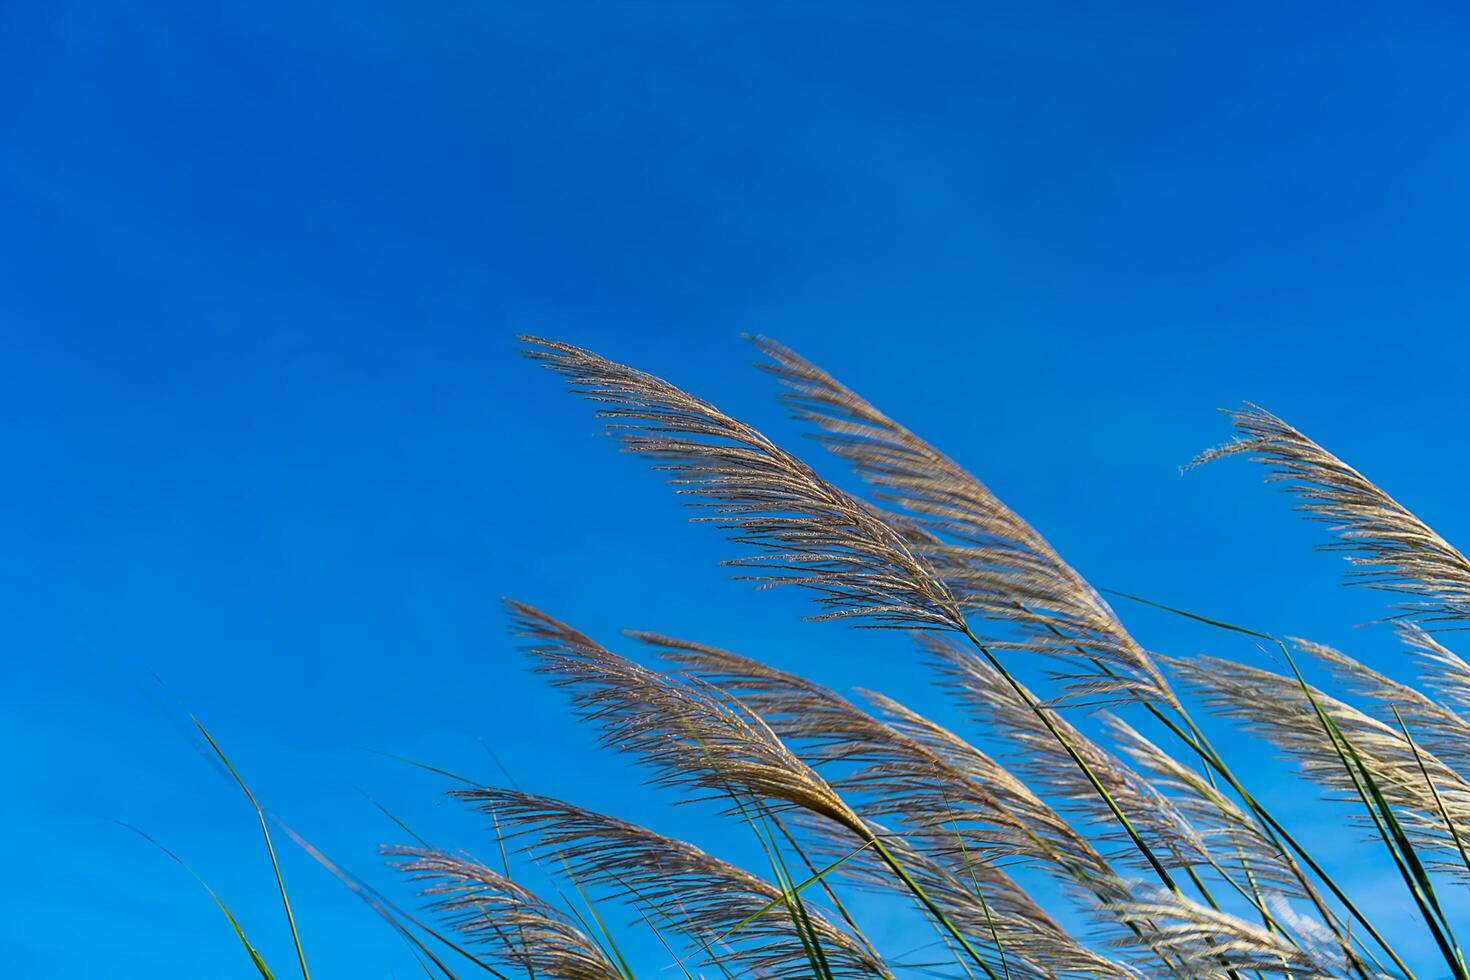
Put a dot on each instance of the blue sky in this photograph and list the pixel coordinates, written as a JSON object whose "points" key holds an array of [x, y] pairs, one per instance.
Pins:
{"points": [[270, 439]]}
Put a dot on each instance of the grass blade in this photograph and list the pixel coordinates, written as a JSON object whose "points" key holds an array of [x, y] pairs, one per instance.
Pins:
{"points": [[269, 846], [255, 958], [1434, 791]]}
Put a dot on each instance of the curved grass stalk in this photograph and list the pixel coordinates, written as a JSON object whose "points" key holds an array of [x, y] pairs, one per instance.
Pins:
{"points": [[984, 905], [1076, 757], [269, 846], [254, 954], [933, 908], [1434, 791]]}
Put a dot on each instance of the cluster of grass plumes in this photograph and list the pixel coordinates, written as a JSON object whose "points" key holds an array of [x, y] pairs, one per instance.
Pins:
{"points": [[1157, 850]]}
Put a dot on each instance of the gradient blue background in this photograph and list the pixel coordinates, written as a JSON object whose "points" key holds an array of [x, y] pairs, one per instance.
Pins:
{"points": [[267, 436]]}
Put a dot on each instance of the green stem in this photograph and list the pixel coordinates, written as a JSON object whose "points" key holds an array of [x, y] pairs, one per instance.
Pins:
{"points": [[1076, 757], [269, 845], [1438, 802], [933, 909]]}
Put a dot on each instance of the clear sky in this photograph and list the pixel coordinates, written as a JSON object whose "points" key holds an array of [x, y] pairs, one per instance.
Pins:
{"points": [[262, 265]]}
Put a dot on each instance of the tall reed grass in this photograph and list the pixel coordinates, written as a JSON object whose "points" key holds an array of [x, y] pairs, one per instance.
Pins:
{"points": [[1165, 861]]}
